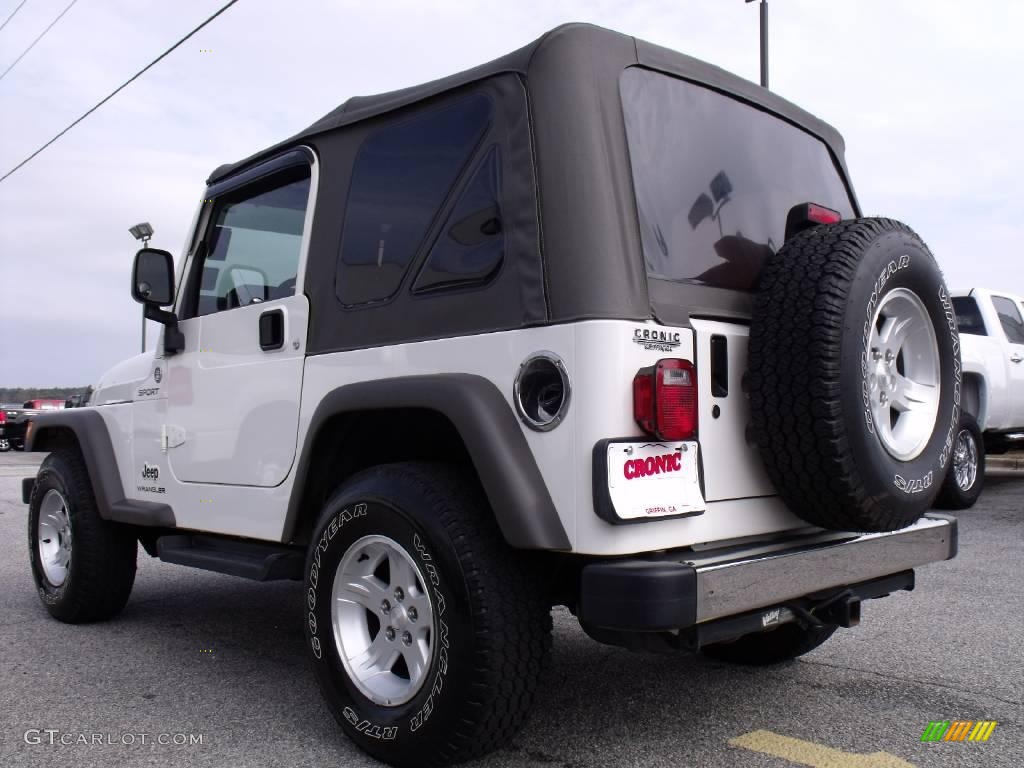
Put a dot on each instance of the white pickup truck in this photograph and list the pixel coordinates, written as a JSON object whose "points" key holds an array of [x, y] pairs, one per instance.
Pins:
{"points": [[992, 348]]}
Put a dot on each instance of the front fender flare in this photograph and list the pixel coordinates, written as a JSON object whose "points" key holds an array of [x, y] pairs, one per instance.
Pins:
{"points": [[493, 438], [93, 438]]}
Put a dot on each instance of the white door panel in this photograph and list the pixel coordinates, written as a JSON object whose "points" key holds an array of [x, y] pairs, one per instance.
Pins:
{"points": [[235, 405]]}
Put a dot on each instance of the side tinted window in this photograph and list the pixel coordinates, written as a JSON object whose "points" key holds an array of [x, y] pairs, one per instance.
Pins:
{"points": [[471, 244], [1010, 319], [253, 244], [968, 316], [715, 178], [401, 178]]}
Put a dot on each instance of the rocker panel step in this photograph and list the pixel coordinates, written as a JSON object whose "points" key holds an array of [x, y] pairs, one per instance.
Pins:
{"points": [[248, 559]]}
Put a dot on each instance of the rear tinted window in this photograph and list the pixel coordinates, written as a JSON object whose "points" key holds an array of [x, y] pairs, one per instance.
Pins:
{"points": [[471, 245], [402, 176], [968, 316], [715, 178]]}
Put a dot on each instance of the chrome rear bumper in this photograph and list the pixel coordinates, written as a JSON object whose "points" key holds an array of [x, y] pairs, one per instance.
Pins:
{"points": [[675, 590]]}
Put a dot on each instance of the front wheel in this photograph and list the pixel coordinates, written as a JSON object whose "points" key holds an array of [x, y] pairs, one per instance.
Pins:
{"points": [[966, 476], [84, 566], [5, 445], [427, 632]]}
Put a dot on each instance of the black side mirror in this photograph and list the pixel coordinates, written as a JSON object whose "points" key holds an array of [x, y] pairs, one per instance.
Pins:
{"points": [[153, 287], [153, 278]]}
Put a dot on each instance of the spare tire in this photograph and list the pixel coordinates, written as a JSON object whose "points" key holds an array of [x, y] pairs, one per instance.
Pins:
{"points": [[854, 375]]}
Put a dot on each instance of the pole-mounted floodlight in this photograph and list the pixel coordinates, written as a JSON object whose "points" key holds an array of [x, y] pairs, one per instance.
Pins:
{"points": [[142, 232], [764, 41]]}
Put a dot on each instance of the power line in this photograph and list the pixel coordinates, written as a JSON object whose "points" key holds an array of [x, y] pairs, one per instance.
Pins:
{"points": [[41, 36], [12, 13], [120, 88]]}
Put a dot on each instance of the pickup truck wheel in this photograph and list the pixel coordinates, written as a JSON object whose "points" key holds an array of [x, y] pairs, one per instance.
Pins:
{"points": [[966, 476], [854, 375], [83, 566], [427, 633], [771, 647], [5, 445]]}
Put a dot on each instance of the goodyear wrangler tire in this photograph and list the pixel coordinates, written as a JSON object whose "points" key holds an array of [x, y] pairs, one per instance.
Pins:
{"points": [[427, 633], [854, 375], [83, 566]]}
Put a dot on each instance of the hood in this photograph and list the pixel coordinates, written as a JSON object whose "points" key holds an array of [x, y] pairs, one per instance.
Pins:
{"points": [[118, 385]]}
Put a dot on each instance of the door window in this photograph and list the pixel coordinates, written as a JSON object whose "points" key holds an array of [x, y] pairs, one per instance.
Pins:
{"points": [[1010, 319], [252, 246]]}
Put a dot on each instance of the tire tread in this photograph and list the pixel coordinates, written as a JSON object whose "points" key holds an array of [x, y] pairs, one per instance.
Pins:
{"points": [[103, 553], [794, 376]]}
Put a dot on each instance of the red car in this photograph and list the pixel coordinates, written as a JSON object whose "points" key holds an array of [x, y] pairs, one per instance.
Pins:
{"points": [[14, 421]]}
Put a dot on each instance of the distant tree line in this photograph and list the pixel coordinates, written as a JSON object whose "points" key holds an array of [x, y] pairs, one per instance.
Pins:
{"points": [[21, 394]]}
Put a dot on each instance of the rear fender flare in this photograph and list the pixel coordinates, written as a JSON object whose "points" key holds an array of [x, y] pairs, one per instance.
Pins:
{"points": [[492, 436]]}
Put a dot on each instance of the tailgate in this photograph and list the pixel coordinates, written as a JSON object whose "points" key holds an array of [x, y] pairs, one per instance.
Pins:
{"points": [[732, 465]]}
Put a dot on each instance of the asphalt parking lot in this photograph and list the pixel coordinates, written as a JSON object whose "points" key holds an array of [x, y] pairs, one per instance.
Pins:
{"points": [[198, 654]]}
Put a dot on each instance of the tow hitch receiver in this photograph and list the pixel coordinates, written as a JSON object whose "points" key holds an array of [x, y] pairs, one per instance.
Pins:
{"points": [[843, 610]]}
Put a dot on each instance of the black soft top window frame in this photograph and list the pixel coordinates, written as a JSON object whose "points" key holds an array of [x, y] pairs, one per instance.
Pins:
{"points": [[266, 175], [429, 234], [510, 296]]}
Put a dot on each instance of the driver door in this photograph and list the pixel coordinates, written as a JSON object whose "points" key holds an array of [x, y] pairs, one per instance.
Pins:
{"points": [[233, 392]]}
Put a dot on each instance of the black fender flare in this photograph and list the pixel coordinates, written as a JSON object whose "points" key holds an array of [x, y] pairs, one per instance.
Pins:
{"points": [[93, 438], [490, 431]]}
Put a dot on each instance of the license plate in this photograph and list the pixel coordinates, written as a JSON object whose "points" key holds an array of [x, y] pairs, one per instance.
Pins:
{"points": [[647, 480]]}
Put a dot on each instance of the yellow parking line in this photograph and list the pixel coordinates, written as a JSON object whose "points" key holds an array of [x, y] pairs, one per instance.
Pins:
{"points": [[815, 755]]}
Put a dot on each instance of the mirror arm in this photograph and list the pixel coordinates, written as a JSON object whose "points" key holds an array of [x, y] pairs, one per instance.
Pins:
{"points": [[174, 340]]}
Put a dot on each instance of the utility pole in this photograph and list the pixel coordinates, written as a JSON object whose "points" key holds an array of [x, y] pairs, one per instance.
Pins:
{"points": [[764, 42]]}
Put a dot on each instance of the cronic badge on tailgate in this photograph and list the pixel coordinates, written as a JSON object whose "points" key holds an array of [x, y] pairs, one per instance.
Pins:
{"points": [[653, 339]]}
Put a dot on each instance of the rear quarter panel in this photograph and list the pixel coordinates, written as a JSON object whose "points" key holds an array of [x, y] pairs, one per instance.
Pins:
{"points": [[601, 357]]}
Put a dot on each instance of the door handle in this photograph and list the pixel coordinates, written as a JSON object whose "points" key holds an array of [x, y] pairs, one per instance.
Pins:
{"points": [[272, 330], [1016, 357]]}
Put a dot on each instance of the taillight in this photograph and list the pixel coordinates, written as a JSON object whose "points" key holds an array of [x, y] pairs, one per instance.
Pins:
{"points": [[3, 417], [665, 399], [807, 215]]}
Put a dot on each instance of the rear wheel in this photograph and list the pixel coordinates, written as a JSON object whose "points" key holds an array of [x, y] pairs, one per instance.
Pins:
{"points": [[772, 647], [427, 632], [83, 566], [963, 483], [5, 445]]}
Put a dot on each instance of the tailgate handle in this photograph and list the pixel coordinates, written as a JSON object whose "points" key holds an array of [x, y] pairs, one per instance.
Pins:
{"points": [[719, 366], [272, 330]]}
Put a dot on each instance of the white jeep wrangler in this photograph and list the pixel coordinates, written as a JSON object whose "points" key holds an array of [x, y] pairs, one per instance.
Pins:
{"points": [[595, 324]]}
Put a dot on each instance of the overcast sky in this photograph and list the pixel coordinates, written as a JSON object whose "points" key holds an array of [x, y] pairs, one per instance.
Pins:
{"points": [[927, 95]]}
